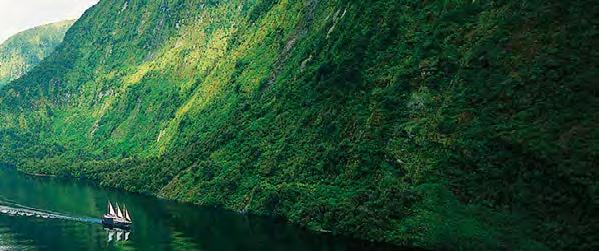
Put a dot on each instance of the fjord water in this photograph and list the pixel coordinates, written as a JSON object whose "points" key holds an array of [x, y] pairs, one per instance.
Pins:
{"points": [[43, 213]]}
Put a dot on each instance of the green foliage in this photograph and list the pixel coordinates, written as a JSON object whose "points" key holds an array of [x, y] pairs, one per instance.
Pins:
{"points": [[26, 49], [443, 124]]}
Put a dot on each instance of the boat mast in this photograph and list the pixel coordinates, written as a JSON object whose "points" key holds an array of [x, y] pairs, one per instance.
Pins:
{"points": [[110, 208], [119, 213], [127, 216]]}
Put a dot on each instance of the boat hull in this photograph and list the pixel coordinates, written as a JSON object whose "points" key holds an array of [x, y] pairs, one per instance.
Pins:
{"points": [[112, 223]]}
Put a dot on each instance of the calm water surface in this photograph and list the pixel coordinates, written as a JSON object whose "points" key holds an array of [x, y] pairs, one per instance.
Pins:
{"points": [[40, 213]]}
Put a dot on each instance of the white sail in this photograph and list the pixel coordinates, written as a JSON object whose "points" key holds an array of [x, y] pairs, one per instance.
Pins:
{"points": [[110, 209], [127, 216], [119, 213]]}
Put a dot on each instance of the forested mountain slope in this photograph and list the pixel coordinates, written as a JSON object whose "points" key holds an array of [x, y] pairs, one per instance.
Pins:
{"points": [[442, 124], [26, 49]]}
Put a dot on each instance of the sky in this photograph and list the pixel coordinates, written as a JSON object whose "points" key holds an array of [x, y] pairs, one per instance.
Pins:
{"points": [[20, 15]]}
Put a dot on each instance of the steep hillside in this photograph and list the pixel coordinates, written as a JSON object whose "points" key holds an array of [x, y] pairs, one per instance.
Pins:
{"points": [[26, 49], [442, 124]]}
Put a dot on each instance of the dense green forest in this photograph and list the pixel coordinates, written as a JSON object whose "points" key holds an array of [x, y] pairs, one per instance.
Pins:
{"points": [[26, 49], [440, 124]]}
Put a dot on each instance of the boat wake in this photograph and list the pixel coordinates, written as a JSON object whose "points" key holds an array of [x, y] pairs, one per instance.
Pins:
{"points": [[14, 209]]}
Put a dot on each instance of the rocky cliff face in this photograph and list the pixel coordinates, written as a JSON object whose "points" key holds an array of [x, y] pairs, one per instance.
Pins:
{"points": [[442, 124]]}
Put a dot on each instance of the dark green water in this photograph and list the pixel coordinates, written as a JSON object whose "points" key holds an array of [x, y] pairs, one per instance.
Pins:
{"points": [[40, 213]]}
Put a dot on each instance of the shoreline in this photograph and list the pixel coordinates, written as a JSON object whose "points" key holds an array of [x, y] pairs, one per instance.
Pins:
{"points": [[305, 227]]}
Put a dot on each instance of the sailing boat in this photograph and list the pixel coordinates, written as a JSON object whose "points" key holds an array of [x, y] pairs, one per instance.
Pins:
{"points": [[117, 218]]}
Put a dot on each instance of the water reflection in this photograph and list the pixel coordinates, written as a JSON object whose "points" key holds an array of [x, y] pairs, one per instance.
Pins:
{"points": [[116, 235], [57, 214]]}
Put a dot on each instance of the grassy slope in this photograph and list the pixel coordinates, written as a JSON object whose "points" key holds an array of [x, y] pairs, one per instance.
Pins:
{"points": [[440, 124], [26, 49]]}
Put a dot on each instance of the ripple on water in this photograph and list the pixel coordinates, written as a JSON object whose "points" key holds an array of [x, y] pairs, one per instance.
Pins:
{"points": [[8, 242]]}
